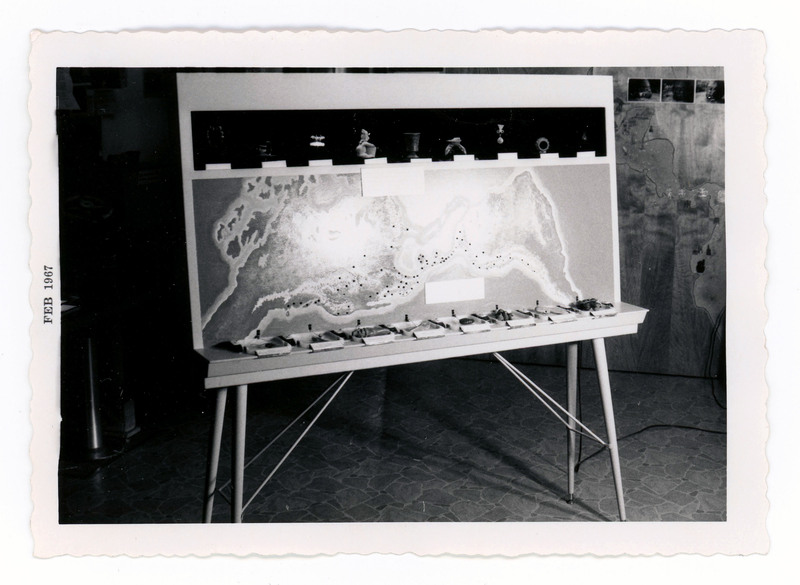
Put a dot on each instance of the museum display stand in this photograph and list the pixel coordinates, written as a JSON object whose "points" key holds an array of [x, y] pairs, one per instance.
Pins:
{"points": [[445, 253]]}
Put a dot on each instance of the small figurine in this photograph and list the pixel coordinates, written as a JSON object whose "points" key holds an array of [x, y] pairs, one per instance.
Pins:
{"points": [[426, 326], [325, 336], [584, 140], [501, 315], [593, 306], [500, 134], [365, 148], [215, 138], [265, 150], [370, 331], [454, 147], [412, 144], [543, 144]]}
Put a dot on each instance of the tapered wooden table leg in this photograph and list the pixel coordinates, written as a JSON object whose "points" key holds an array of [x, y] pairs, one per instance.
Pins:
{"points": [[237, 468], [572, 399], [212, 465], [608, 412]]}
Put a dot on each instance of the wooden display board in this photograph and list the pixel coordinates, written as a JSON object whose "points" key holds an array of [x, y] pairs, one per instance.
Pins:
{"points": [[506, 199]]}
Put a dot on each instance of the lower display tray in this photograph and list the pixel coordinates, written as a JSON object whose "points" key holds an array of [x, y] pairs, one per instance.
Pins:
{"points": [[227, 366]]}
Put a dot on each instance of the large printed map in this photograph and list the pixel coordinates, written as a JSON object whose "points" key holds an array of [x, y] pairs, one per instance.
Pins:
{"points": [[276, 253]]}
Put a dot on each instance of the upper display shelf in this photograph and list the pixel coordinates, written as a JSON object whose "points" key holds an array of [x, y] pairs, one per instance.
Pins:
{"points": [[254, 120], [297, 138]]}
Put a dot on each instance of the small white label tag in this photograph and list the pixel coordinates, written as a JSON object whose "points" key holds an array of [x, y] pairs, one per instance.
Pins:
{"points": [[451, 291], [392, 181]]}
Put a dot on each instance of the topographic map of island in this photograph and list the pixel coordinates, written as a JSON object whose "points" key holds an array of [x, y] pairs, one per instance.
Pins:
{"points": [[281, 253]]}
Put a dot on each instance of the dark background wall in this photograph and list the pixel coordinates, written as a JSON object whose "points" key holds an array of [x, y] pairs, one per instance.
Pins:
{"points": [[123, 260]]}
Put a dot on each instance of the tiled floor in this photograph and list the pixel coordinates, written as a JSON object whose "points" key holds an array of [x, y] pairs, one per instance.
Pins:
{"points": [[459, 440]]}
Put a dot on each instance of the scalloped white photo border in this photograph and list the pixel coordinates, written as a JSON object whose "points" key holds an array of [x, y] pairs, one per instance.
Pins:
{"points": [[741, 53]]}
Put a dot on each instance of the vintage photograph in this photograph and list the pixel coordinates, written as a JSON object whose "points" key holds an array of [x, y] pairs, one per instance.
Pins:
{"points": [[677, 90], [711, 91], [644, 90], [431, 296]]}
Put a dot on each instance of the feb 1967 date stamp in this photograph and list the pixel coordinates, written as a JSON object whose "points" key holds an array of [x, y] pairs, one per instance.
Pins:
{"points": [[47, 300]]}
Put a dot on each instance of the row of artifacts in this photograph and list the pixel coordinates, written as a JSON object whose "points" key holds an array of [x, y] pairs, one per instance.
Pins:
{"points": [[408, 329], [347, 136], [365, 149]]}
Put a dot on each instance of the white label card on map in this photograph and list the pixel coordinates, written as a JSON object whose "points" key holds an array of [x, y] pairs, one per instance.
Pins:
{"points": [[451, 291], [392, 181]]}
